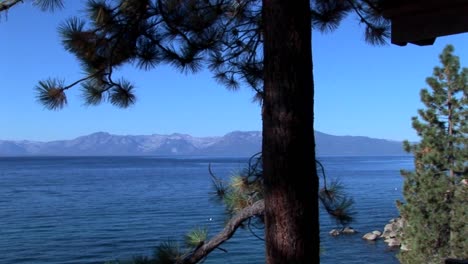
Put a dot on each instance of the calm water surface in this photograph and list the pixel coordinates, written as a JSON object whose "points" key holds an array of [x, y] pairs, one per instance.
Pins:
{"points": [[93, 209]]}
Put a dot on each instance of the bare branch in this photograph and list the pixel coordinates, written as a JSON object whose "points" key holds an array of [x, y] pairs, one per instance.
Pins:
{"points": [[82, 80]]}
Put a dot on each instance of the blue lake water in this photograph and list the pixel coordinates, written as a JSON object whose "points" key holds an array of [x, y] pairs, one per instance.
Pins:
{"points": [[93, 209]]}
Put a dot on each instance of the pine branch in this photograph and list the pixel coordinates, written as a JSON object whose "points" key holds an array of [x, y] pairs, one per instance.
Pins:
{"points": [[327, 15], [82, 80], [44, 5], [256, 209], [372, 5], [49, 5], [50, 93], [218, 184], [170, 25], [374, 34], [4, 6]]}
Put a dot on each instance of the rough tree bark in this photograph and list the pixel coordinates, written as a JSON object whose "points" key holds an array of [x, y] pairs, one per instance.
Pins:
{"points": [[291, 182]]}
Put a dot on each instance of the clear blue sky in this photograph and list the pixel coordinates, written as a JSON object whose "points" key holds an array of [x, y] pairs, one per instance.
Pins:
{"points": [[359, 89]]}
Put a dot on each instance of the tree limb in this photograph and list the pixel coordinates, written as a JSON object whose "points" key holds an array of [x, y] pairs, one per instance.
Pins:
{"points": [[256, 209], [44, 5], [8, 4]]}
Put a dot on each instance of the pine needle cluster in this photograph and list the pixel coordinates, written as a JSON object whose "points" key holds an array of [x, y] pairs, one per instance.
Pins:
{"points": [[245, 187], [337, 203]]}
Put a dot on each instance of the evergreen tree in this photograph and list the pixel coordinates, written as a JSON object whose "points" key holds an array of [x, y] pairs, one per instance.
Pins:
{"points": [[264, 44], [436, 191]]}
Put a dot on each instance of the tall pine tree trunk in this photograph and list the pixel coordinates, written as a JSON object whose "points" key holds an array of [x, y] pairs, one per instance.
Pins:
{"points": [[291, 182]]}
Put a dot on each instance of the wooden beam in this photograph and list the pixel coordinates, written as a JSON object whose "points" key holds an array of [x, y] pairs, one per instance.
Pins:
{"points": [[422, 21]]}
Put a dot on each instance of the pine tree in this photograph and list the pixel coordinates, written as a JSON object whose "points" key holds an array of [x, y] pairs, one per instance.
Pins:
{"points": [[263, 44], [435, 192]]}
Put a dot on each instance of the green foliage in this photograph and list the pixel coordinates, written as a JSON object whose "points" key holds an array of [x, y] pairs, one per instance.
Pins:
{"points": [[435, 195], [50, 94], [337, 204], [334, 199], [226, 36], [122, 95], [92, 92], [458, 226], [219, 185], [246, 187], [196, 237], [242, 193], [168, 252], [327, 15]]}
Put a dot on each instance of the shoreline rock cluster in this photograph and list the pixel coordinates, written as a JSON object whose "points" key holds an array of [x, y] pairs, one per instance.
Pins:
{"points": [[391, 233], [344, 231]]}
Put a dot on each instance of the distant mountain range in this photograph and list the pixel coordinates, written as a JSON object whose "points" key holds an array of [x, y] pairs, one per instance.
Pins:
{"points": [[238, 143]]}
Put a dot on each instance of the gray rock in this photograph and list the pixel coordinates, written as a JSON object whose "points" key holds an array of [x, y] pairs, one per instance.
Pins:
{"points": [[348, 230], [370, 237], [403, 247], [334, 232], [393, 242], [393, 231], [393, 228]]}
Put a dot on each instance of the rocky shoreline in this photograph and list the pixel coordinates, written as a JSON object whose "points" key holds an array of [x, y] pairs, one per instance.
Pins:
{"points": [[390, 235]]}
